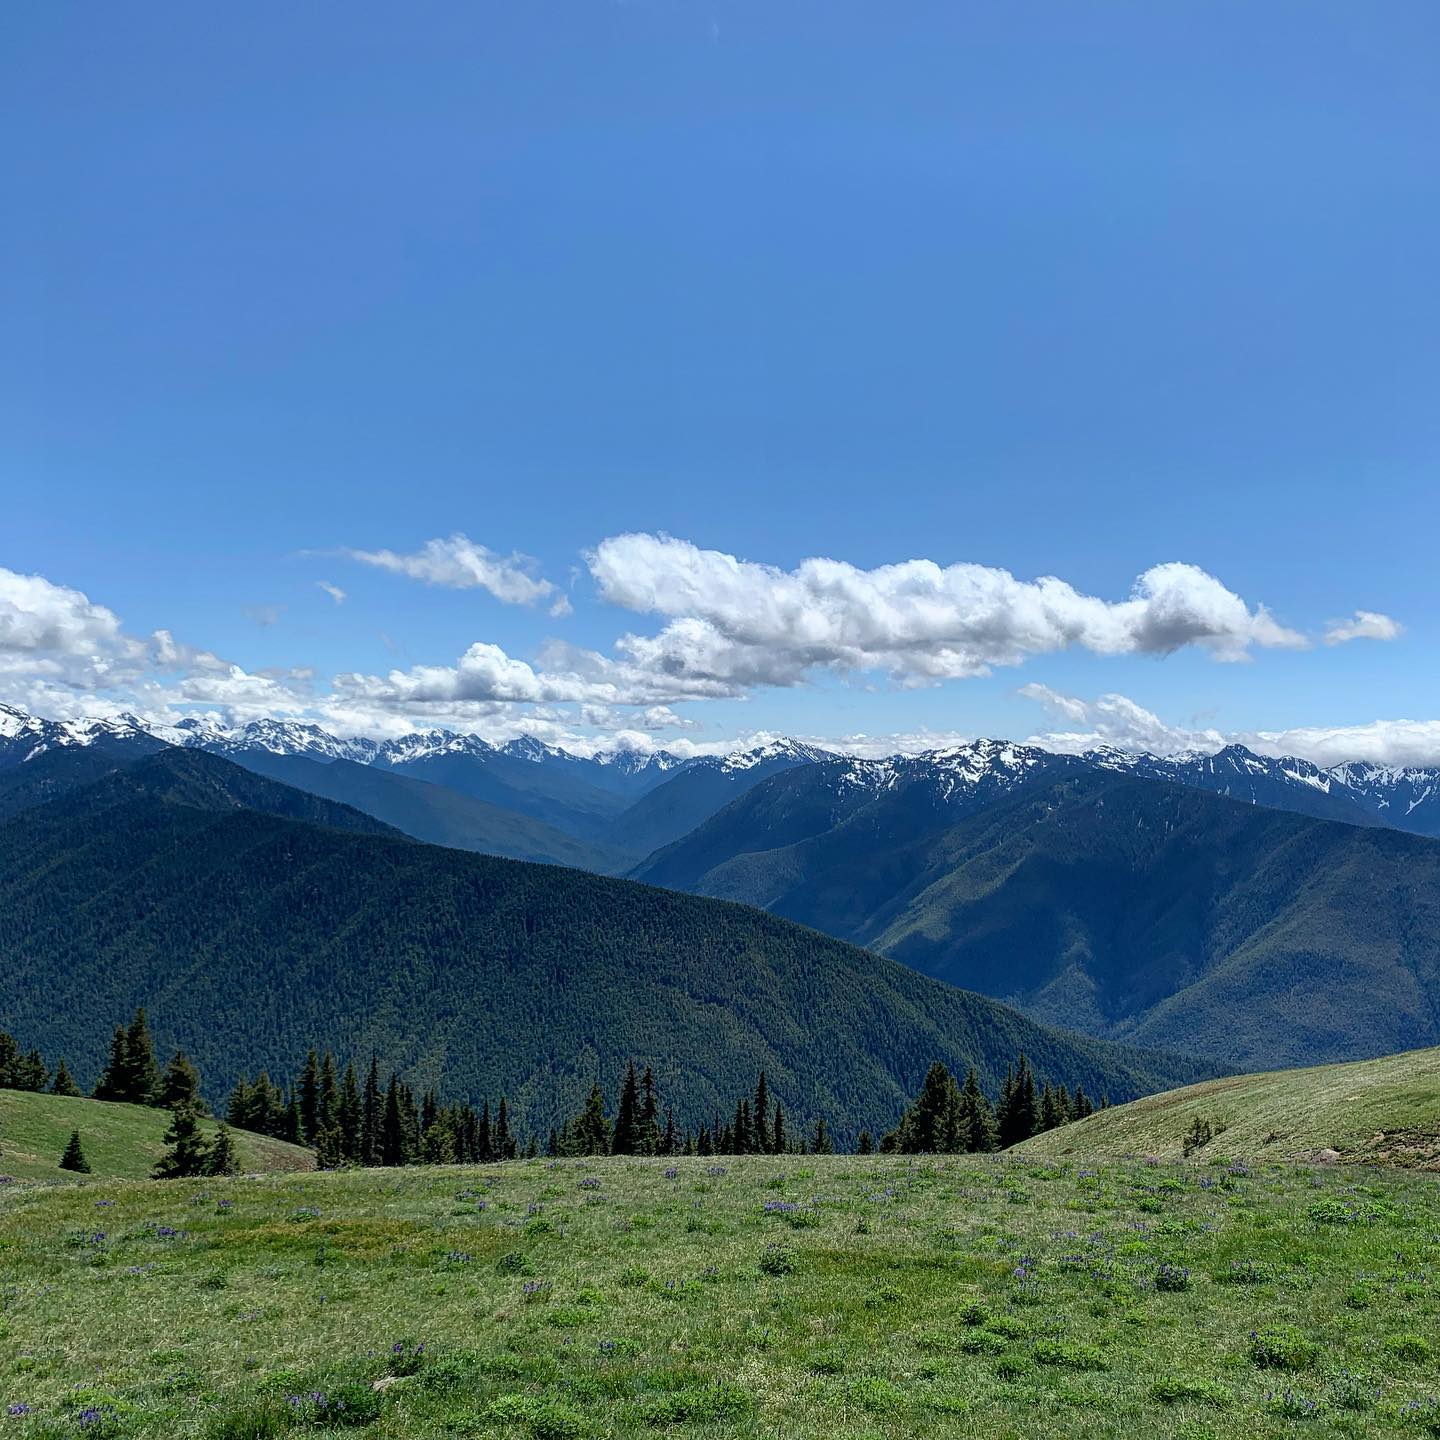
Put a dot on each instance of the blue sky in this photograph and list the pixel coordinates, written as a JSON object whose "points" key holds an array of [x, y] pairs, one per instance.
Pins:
{"points": [[1061, 291]]}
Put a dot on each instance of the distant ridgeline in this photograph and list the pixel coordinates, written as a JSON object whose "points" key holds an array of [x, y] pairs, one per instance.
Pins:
{"points": [[347, 1122]]}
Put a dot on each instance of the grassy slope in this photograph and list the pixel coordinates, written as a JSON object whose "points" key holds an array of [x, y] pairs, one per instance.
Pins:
{"points": [[1379, 1111], [120, 1141], [650, 1308]]}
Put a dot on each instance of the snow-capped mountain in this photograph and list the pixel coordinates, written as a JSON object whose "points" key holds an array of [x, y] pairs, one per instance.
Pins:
{"points": [[24, 737], [1405, 798]]}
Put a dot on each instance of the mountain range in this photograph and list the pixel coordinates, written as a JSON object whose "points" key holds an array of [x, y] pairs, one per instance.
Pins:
{"points": [[1251, 910], [254, 920]]}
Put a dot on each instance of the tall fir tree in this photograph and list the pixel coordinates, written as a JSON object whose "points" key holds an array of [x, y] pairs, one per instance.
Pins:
{"points": [[222, 1159], [591, 1131], [504, 1141], [625, 1139], [310, 1098], [112, 1081], [350, 1116], [650, 1138], [372, 1116], [820, 1142], [760, 1115], [779, 1140], [392, 1126], [142, 1075]]}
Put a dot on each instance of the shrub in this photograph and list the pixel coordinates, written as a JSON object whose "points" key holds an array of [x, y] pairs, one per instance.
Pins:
{"points": [[1172, 1278], [1411, 1348], [1188, 1390], [1069, 1355], [777, 1260], [872, 1393], [1282, 1347]]}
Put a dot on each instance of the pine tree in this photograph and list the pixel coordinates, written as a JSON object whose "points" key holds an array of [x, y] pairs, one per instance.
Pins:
{"points": [[328, 1110], [180, 1084], [64, 1082], [111, 1084], [592, 1129], [626, 1137], [1081, 1105], [864, 1145], [351, 1117], [976, 1117], [649, 1115], [820, 1142], [743, 1134], [142, 1076], [371, 1118], [74, 1157], [438, 1147], [238, 1107], [504, 1140], [31, 1073], [670, 1141], [187, 1152], [779, 1141], [1018, 1117], [392, 1126], [310, 1098], [484, 1143], [222, 1159], [760, 1115], [9, 1056]]}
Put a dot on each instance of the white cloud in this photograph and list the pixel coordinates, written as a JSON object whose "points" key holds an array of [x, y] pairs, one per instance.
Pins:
{"points": [[460, 564], [1119, 721], [743, 624], [1114, 720], [1363, 625], [333, 591]]}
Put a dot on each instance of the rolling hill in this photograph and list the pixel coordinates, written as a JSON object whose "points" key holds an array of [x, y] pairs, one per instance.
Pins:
{"points": [[1384, 1112], [1123, 907], [120, 1141], [250, 936]]}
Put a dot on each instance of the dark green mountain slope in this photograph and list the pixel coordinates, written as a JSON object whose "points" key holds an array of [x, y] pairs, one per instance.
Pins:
{"points": [[1126, 907], [250, 937], [551, 794], [433, 813]]}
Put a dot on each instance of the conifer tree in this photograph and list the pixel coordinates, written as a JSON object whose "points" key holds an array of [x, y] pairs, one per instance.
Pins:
{"points": [[779, 1141], [222, 1159], [310, 1098], [591, 1131], [31, 1073], [372, 1115], [9, 1056], [64, 1082], [670, 1141], [760, 1115], [864, 1144], [111, 1084], [142, 1075], [438, 1146], [484, 1143], [327, 1115], [238, 1107], [180, 1084], [187, 1151], [626, 1136], [74, 1157], [976, 1127], [392, 1126], [649, 1115], [504, 1140], [350, 1116], [820, 1143]]}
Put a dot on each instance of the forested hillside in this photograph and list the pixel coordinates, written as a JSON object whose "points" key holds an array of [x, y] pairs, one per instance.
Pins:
{"points": [[1121, 906], [251, 936]]}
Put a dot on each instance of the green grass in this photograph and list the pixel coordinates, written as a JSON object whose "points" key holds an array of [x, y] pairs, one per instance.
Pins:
{"points": [[1383, 1111], [876, 1297], [121, 1141]]}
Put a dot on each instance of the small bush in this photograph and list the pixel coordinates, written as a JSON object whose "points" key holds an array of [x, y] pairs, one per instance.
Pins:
{"points": [[1412, 1349], [1282, 1347], [1069, 1355], [1188, 1390], [777, 1260], [872, 1393]]}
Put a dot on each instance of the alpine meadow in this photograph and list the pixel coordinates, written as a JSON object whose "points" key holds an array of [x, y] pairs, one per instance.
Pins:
{"points": [[720, 720]]}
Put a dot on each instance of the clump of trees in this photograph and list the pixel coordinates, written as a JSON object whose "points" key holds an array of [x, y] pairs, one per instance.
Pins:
{"points": [[949, 1118]]}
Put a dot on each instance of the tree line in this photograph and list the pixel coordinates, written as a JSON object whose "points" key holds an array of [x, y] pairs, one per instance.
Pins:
{"points": [[347, 1121]]}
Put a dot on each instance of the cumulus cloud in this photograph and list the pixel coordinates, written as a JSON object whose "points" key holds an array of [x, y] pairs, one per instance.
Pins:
{"points": [[743, 624], [460, 564], [333, 591], [1363, 625]]}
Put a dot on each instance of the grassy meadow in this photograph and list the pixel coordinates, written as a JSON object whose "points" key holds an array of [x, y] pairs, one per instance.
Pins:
{"points": [[785, 1297], [122, 1141], [1381, 1112]]}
